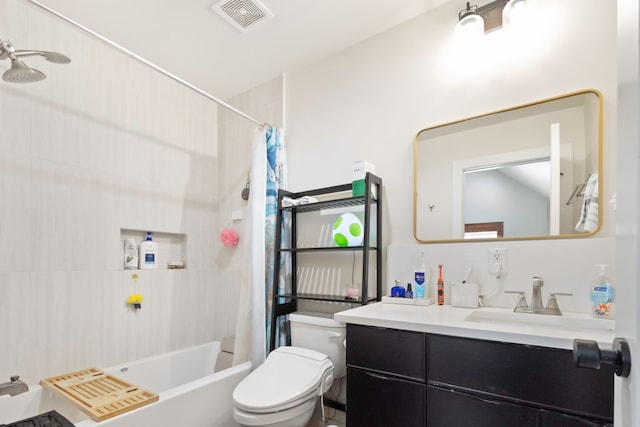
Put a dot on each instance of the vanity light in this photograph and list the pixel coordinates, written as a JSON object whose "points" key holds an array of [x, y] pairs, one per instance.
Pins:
{"points": [[470, 25], [474, 21], [513, 11]]}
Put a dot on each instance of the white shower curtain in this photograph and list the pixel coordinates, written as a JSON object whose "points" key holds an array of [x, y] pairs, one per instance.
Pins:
{"points": [[268, 174]]}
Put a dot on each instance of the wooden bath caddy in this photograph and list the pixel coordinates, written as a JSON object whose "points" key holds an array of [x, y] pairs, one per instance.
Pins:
{"points": [[99, 395]]}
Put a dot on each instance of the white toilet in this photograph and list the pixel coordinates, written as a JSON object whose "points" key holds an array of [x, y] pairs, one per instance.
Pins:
{"points": [[283, 391]]}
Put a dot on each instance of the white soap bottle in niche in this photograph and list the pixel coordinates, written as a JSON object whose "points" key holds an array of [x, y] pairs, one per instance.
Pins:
{"points": [[148, 258], [130, 255]]}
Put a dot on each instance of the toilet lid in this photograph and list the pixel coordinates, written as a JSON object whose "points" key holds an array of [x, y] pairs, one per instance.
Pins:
{"points": [[288, 375]]}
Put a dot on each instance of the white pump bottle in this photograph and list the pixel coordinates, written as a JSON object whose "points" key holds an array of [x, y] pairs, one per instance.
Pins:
{"points": [[148, 257]]}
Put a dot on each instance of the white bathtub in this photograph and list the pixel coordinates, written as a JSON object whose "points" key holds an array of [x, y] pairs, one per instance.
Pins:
{"points": [[190, 394]]}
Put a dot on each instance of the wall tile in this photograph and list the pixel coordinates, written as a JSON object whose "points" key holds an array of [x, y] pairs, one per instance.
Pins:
{"points": [[106, 144]]}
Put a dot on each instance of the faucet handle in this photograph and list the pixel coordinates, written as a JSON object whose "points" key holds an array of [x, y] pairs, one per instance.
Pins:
{"points": [[522, 300], [14, 378], [552, 302]]}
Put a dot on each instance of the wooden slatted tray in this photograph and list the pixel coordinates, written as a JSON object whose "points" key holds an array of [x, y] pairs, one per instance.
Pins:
{"points": [[99, 395]]}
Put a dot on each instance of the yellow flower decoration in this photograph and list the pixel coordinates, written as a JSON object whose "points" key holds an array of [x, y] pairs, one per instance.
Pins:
{"points": [[136, 300]]}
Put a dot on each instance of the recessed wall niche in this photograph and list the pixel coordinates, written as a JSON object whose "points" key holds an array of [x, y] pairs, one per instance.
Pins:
{"points": [[172, 247]]}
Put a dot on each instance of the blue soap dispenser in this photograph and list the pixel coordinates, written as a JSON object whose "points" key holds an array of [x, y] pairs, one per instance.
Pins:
{"points": [[603, 295], [397, 291]]}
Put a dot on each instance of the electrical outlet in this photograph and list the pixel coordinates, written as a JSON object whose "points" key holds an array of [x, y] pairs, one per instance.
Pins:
{"points": [[497, 261], [497, 255]]}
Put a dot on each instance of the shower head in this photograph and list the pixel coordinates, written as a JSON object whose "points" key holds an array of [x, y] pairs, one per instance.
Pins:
{"points": [[55, 57], [21, 73]]}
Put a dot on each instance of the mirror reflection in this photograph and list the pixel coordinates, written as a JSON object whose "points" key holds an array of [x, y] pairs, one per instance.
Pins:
{"points": [[526, 172]]}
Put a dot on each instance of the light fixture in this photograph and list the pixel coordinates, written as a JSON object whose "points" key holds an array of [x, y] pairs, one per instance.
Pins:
{"points": [[470, 25], [473, 21], [512, 12]]}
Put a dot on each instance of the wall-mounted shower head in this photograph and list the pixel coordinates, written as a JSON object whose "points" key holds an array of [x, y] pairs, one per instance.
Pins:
{"points": [[19, 71]]}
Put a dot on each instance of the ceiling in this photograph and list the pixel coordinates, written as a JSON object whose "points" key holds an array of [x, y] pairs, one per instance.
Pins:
{"points": [[190, 40], [534, 175]]}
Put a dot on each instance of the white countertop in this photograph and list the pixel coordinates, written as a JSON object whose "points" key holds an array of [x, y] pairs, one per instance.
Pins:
{"points": [[448, 320]]}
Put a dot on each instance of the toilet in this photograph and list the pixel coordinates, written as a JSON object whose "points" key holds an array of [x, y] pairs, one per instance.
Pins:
{"points": [[283, 391]]}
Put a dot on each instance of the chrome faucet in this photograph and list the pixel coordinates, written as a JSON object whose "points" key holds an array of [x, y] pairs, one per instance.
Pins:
{"points": [[14, 387], [536, 306], [536, 294]]}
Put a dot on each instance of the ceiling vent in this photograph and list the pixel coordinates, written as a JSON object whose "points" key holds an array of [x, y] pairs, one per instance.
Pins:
{"points": [[244, 15]]}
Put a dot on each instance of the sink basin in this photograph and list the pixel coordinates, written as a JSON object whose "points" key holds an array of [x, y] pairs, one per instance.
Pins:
{"points": [[569, 321]]}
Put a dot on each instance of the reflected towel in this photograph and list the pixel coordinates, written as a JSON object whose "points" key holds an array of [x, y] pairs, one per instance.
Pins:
{"points": [[589, 214]]}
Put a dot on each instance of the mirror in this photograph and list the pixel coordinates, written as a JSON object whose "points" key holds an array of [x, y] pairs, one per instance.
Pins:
{"points": [[527, 172]]}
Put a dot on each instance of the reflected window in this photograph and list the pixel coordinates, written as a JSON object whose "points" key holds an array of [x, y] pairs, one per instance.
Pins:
{"points": [[484, 230]]}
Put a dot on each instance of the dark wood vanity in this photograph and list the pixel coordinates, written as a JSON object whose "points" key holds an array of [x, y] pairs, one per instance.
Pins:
{"points": [[406, 378]]}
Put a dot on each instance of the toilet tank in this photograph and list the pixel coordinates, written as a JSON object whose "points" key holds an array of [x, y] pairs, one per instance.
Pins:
{"points": [[321, 333]]}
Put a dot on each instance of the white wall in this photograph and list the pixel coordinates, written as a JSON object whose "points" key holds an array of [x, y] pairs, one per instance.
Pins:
{"points": [[369, 101], [106, 144]]}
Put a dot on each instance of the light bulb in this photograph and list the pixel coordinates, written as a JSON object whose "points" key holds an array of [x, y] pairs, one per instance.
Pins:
{"points": [[470, 27], [513, 12]]}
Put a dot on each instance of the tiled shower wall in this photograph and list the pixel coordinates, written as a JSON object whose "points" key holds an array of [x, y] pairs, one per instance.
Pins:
{"points": [[235, 151], [104, 144]]}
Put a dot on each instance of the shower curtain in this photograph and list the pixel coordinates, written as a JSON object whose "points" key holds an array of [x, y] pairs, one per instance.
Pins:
{"points": [[269, 174]]}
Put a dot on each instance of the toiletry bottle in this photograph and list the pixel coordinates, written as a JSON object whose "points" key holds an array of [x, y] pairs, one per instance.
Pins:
{"points": [[440, 287], [603, 295], [397, 291], [409, 292], [130, 255], [148, 257], [419, 277]]}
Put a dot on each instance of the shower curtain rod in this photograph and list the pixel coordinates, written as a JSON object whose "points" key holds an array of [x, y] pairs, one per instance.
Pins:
{"points": [[149, 64]]}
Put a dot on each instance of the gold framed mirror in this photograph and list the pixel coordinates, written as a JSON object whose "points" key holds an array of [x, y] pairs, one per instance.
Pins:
{"points": [[533, 171]]}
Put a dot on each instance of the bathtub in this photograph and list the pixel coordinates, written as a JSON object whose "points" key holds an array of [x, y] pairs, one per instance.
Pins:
{"points": [[190, 394]]}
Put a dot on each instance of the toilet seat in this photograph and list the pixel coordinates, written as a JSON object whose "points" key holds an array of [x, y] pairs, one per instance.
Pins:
{"points": [[288, 377]]}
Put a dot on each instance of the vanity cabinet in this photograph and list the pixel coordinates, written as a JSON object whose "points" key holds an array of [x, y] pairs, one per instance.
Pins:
{"points": [[472, 382]]}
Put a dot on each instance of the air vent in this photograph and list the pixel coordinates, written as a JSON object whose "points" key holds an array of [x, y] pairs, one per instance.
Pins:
{"points": [[243, 14]]}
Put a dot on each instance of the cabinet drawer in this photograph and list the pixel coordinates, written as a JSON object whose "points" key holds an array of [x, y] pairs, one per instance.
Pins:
{"points": [[542, 376], [387, 350], [455, 409], [379, 400]]}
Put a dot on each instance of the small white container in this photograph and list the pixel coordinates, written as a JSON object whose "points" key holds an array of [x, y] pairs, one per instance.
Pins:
{"points": [[148, 254], [464, 295], [360, 169]]}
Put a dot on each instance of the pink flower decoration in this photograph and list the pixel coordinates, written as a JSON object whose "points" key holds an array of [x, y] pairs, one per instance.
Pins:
{"points": [[229, 237]]}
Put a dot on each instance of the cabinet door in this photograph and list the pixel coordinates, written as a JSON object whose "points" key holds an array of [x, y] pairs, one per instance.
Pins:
{"points": [[381, 400], [448, 408], [555, 419], [401, 353]]}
